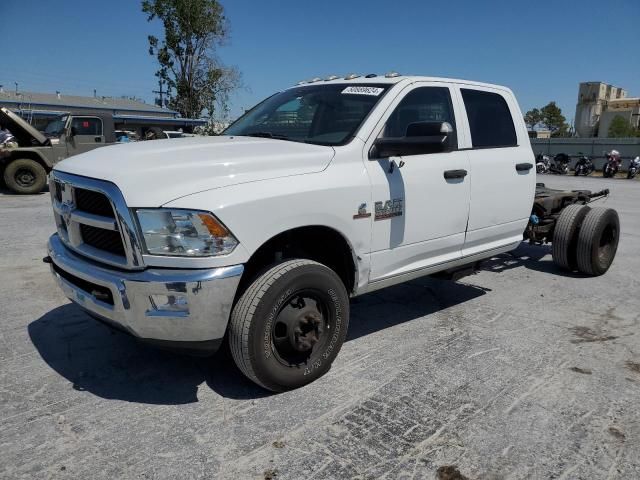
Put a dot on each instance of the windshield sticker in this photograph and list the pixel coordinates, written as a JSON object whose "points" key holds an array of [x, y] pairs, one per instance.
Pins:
{"points": [[353, 90]]}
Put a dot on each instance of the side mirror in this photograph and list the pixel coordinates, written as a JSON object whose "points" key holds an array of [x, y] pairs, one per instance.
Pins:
{"points": [[420, 138], [73, 131]]}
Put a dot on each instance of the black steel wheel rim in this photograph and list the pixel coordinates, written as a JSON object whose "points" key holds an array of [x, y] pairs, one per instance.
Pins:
{"points": [[25, 177], [302, 327]]}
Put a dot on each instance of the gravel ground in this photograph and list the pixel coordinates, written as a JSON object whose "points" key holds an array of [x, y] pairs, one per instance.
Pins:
{"points": [[519, 371]]}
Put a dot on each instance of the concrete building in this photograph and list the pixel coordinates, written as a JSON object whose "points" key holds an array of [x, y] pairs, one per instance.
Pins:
{"points": [[598, 104], [128, 114], [627, 108]]}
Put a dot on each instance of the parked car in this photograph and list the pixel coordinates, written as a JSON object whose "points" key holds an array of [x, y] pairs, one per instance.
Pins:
{"points": [[173, 134], [25, 168], [260, 236], [125, 136]]}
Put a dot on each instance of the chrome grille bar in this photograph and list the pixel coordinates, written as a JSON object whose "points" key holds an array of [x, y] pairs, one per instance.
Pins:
{"points": [[71, 221]]}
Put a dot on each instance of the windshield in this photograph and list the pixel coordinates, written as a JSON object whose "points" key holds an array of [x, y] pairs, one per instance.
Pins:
{"points": [[321, 114], [56, 126]]}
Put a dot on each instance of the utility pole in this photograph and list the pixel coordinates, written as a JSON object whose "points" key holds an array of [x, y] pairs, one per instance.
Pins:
{"points": [[160, 92]]}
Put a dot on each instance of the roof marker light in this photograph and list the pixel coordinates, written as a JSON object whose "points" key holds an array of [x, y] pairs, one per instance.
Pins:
{"points": [[330, 77], [351, 76], [301, 82], [391, 75], [315, 79], [371, 75]]}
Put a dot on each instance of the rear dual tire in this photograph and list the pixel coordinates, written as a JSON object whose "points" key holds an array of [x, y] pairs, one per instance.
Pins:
{"points": [[598, 241], [565, 236], [586, 239]]}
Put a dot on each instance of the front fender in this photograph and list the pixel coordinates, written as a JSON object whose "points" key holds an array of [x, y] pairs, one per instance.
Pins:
{"points": [[258, 211]]}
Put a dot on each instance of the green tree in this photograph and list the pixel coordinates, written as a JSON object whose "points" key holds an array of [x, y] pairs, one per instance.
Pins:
{"points": [[196, 79], [532, 118], [553, 119], [621, 128]]}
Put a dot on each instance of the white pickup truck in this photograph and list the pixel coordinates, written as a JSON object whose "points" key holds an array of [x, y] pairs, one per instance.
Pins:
{"points": [[327, 190]]}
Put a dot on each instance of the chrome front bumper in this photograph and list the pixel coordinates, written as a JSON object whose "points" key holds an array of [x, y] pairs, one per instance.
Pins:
{"points": [[164, 305]]}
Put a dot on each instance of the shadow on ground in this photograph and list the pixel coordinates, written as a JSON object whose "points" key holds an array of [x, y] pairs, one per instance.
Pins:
{"points": [[4, 191], [114, 365], [528, 256]]}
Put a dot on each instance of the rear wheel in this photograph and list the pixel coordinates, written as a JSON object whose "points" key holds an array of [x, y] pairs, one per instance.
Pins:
{"points": [[25, 176], [598, 241], [565, 236], [288, 326]]}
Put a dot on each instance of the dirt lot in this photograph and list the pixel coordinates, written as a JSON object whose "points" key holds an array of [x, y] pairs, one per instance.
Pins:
{"points": [[519, 371]]}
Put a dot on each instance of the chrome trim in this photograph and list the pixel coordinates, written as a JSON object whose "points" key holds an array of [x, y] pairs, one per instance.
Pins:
{"points": [[69, 218], [209, 295]]}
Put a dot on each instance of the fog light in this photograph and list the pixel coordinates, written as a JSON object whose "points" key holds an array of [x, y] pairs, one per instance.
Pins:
{"points": [[169, 303]]}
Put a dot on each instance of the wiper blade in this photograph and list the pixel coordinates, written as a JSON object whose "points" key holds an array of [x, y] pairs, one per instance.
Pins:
{"points": [[277, 136]]}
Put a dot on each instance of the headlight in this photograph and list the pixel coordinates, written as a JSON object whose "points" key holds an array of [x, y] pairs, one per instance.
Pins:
{"points": [[187, 233]]}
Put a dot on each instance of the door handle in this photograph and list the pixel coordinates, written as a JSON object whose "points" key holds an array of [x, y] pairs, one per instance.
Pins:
{"points": [[450, 174], [521, 167]]}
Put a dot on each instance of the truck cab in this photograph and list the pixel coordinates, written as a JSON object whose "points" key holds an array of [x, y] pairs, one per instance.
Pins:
{"points": [[25, 168], [325, 191]]}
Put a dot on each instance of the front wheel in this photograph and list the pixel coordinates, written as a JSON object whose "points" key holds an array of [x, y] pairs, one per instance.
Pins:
{"points": [[25, 176], [289, 324]]}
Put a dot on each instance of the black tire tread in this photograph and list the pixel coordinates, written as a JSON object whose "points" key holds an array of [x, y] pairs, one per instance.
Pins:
{"points": [[10, 169], [565, 233], [242, 314], [586, 239]]}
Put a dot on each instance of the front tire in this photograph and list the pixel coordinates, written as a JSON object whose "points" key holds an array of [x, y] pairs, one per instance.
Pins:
{"points": [[289, 324], [25, 176]]}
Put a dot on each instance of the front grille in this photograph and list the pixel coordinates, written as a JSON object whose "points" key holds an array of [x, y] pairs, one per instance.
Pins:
{"points": [[93, 202], [93, 220], [108, 240], [98, 291], [57, 191]]}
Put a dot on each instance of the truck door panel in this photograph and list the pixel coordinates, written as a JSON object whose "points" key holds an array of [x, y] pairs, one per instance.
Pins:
{"points": [[420, 217], [501, 193], [89, 134]]}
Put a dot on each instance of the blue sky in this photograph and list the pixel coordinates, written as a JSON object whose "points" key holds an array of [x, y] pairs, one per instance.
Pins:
{"points": [[542, 50]]}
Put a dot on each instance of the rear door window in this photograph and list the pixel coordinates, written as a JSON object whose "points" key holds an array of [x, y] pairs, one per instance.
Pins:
{"points": [[490, 120], [87, 125]]}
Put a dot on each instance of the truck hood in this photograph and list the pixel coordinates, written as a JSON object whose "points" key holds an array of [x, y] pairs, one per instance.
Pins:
{"points": [[152, 173], [20, 129]]}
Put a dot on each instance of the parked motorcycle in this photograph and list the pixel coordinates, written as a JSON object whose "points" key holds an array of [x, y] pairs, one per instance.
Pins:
{"points": [[612, 165], [634, 167], [560, 165], [543, 163], [584, 166]]}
